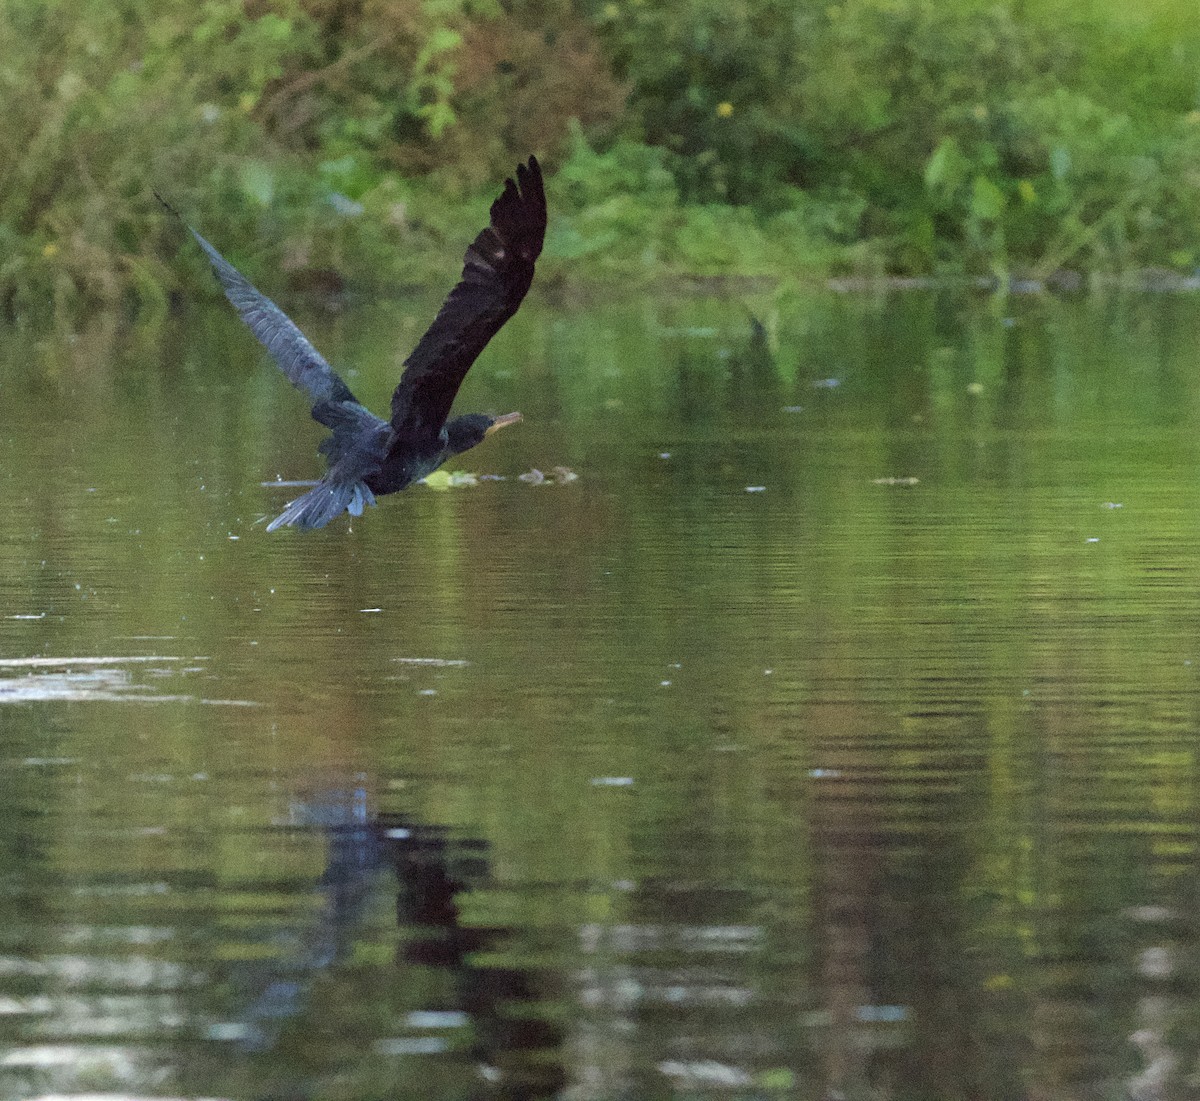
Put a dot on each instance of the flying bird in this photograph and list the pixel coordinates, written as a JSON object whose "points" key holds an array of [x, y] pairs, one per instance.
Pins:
{"points": [[366, 455]]}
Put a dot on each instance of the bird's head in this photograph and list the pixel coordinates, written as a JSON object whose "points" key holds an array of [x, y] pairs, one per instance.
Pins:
{"points": [[463, 433]]}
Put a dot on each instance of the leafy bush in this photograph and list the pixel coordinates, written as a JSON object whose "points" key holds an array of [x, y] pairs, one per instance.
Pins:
{"points": [[282, 122], [101, 105], [970, 133], [619, 211], [344, 137]]}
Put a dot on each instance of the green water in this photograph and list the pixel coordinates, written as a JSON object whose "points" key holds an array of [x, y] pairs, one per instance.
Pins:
{"points": [[833, 733]]}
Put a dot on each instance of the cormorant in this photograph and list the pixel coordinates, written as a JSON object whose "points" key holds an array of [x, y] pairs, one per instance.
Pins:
{"points": [[367, 455]]}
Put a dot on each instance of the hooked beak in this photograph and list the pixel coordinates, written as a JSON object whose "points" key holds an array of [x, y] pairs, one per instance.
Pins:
{"points": [[502, 421]]}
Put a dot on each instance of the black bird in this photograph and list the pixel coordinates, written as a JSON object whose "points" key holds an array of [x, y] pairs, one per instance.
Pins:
{"points": [[367, 455]]}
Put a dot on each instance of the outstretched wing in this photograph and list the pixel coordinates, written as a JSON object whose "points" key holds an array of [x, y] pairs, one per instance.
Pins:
{"points": [[297, 358], [359, 439], [497, 271]]}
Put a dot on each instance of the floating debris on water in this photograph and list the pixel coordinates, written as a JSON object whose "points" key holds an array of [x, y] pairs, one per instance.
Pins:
{"points": [[411, 1045], [64, 663], [450, 479], [559, 475], [439, 662], [92, 679], [94, 685], [442, 479], [437, 1018], [707, 1072]]}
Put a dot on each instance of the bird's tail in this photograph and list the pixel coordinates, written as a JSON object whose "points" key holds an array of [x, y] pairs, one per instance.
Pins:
{"points": [[324, 502]]}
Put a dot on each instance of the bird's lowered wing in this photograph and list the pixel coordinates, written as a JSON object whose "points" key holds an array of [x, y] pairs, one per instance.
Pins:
{"points": [[304, 366], [497, 271]]}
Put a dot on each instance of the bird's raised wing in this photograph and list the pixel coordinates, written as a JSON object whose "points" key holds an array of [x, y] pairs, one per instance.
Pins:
{"points": [[497, 271], [304, 366]]}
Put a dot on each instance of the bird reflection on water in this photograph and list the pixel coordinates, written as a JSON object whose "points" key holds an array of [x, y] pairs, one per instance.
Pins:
{"points": [[516, 1052]]}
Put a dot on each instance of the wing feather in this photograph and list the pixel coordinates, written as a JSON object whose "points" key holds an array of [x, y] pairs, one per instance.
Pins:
{"points": [[497, 271], [303, 365], [358, 441]]}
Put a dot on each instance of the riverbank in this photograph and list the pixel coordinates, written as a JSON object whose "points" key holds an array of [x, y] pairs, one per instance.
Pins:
{"points": [[874, 139]]}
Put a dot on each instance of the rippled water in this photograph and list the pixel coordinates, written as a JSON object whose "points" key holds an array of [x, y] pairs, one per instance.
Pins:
{"points": [[832, 734]]}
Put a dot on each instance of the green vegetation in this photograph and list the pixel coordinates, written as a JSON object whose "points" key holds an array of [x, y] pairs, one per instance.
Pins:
{"points": [[349, 139]]}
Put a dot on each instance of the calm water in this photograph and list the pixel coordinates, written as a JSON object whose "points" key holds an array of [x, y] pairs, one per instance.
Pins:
{"points": [[833, 734]]}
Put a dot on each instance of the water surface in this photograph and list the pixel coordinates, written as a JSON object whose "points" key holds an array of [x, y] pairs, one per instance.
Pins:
{"points": [[832, 734]]}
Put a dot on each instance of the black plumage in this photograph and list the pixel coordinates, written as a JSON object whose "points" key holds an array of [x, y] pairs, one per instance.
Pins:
{"points": [[367, 455]]}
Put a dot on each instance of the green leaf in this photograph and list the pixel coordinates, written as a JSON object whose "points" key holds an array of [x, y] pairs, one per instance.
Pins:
{"points": [[439, 42], [776, 1078], [987, 200], [442, 39], [439, 117], [946, 168]]}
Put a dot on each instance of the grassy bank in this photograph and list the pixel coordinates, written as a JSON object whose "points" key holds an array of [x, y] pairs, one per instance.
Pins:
{"points": [[358, 142]]}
